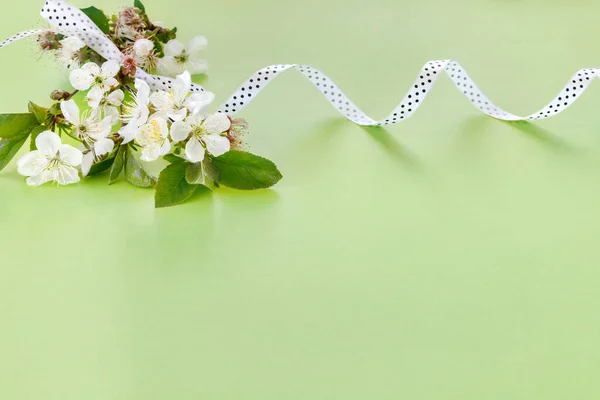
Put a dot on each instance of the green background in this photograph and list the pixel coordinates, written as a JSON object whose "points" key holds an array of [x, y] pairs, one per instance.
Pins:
{"points": [[453, 256]]}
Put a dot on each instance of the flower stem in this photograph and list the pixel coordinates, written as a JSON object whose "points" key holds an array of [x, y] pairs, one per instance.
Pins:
{"points": [[71, 94]]}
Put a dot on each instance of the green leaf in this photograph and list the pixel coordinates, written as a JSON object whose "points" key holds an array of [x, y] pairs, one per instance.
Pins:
{"points": [[14, 131], [118, 165], [55, 109], [165, 35], [194, 174], [172, 158], [246, 171], [210, 171], [138, 4], [16, 126], [134, 172], [39, 112], [98, 17], [172, 187], [101, 166], [34, 134], [8, 149]]}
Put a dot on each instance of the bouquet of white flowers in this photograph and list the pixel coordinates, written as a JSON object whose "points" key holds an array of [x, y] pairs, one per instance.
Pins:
{"points": [[129, 113]]}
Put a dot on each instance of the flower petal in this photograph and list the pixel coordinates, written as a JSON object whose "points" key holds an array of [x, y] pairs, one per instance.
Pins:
{"points": [[87, 162], [129, 131], [103, 128], [216, 145], [199, 101], [160, 114], [163, 127], [110, 69], [152, 132], [174, 48], [178, 115], [112, 113], [94, 97], [181, 86], [48, 143], [70, 155], [32, 163], [72, 44], [70, 111], [194, 151], [142, 113], [150, 153], [143, 47], [115, 98], [216, 123], [180, 131], [91, 68], [162, 100], [166, 147], [142, 135], [196, 65], [143, 92], [65, 175], [169, 66], [110, 83], [197, 44], [40, 179], [103, 146], [81, 79], [195, 119]]}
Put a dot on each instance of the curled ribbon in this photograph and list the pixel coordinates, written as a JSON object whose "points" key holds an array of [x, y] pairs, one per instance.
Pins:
{"points": [[70, 21], [422, 85]]}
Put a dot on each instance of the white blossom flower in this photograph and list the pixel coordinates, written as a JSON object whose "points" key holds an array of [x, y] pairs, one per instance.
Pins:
{"points": [[136, 111], [205, 134], [52, 161], [91, 131], [179, 58], [143, 53], [105, 104], [68, 54], [154, 138], [91, 75], [176, 102], [143, 47]]}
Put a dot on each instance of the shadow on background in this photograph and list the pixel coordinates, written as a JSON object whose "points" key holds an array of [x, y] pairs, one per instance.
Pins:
{"points": [[313, 148], [248, 199], [201, 79], [473, 130], [542, 136], [202, 194], [393, 147]]}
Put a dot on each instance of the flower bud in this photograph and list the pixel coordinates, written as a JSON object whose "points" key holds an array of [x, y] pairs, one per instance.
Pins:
{"points": [[58, 95]]}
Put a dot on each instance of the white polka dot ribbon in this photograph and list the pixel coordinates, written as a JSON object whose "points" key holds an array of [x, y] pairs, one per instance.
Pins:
{"points": [[70, 21], [415, 96]]}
